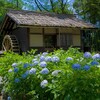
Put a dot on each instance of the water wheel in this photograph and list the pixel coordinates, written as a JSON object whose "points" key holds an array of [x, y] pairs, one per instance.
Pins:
{"points": [[10, 42]]}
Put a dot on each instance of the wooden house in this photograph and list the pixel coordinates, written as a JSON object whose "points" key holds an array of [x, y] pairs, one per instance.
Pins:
{"points": [[24, 30]]}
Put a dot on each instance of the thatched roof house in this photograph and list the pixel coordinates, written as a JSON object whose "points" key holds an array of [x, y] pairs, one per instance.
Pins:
{"points": [[30, 18], [43, 30]]}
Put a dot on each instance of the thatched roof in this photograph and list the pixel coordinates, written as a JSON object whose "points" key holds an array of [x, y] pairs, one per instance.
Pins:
{"points": [[31, 18]]}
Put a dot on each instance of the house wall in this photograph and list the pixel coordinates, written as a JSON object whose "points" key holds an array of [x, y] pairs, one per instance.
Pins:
{"points": [[22, 36], [75, 32], [36, 37], [36, 40], [37, 34]]}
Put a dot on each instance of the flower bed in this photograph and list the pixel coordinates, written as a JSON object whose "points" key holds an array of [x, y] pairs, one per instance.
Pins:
{"points": [[59, 75]]}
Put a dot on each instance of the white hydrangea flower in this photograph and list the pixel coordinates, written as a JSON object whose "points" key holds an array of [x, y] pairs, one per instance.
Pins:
{"points": [[55, 73], [14, 65], [44, 83]]}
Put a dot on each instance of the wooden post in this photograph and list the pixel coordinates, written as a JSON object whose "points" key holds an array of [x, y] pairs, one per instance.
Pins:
{"points": [[81, 35], [59, 37]]}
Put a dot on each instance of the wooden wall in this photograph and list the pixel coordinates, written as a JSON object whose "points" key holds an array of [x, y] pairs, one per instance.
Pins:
{"points": [[38, 33], [23, 38], [34, 37]]}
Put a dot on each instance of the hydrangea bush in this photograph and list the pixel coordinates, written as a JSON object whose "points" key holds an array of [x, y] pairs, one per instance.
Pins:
{"points": [[59, 75]]}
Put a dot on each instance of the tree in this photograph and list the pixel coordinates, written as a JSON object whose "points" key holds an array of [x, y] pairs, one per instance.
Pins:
{"points": [[57, 6], [89, 10], [8, 4]]}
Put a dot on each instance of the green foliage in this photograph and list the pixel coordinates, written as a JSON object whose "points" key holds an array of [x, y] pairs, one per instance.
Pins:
{"points": [[71, 75], [88, 10], [5, 5]]}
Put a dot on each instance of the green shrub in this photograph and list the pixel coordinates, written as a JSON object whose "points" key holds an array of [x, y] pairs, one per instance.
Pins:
{"points": [[59, 75]]}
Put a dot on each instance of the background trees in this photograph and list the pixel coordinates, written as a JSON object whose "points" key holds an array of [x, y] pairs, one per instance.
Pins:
{"points": [[57, 6], [9, 4], [89, 10]]}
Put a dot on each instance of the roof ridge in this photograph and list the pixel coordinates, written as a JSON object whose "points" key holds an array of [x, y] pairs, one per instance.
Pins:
{"points": [[38, 12]]}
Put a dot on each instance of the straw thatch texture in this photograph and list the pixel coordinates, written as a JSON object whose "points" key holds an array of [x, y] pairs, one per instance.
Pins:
{"points": [[31, 18]]}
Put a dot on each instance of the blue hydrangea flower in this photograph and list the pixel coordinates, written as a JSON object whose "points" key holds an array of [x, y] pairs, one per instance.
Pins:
{"points": [[8, 98], [44, 71], [44, 53], [86, 67], [96, 56], [25, 74], [69, 58], [25, 65], [35, 63], [42, 58], [94, 63], [17, 80], [55, 59], [16, 69], [48, 58], [31, 65], [10, 70], [32, 71], [44, 83], [14, 65], [87, 55], [43, 64], [76, 66], [55, 73]]}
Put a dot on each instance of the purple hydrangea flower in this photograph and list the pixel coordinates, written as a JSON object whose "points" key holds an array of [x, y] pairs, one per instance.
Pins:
{"points": [[96, 56], [86, 67], [17, 80], [44, 83], [25, 65], [48, 58], [43, 64], [55, 73], [32, 71], [55, 59], [14, 65], [8, 98], [44, 71], [76, 66], [42, 58], [16, 69], [94, 63], [87, 55], [69, 58], [35, 63]]}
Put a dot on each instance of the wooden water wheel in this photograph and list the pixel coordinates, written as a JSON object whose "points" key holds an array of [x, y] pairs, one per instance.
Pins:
{"points": [[10, 42]]}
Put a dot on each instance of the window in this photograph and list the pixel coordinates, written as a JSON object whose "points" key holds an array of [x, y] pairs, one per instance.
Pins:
{"points": [[65, 40], [50, 40]]}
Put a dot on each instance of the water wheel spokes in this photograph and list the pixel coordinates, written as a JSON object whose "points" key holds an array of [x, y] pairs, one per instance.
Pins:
{"points": [[10, 42]]}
